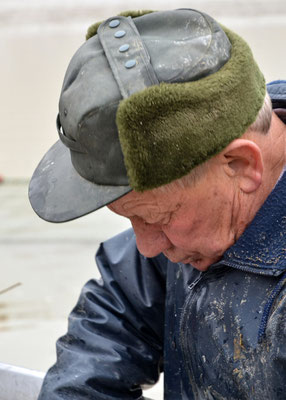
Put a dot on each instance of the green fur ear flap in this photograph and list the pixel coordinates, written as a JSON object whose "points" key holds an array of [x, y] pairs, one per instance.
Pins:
{"points": [[166, 130], [92, 30]]}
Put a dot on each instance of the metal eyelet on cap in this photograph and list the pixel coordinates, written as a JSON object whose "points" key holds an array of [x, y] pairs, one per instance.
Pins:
{"points": [[130, 64], [129, 60], [124, 48], [119, 34], [114, 23]]}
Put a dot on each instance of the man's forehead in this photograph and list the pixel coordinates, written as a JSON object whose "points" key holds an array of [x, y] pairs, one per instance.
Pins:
{"points": [[154, 201]]}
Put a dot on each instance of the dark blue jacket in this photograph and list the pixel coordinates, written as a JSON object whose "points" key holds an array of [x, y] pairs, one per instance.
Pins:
{"points": [[217, 335]]}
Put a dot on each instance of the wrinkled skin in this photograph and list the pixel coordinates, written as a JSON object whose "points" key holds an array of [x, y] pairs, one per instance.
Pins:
{"points": [[197, 224], [192, 225]]}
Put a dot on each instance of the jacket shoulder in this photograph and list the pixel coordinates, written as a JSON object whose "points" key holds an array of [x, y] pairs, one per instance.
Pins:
{"points": [[277, 92]]}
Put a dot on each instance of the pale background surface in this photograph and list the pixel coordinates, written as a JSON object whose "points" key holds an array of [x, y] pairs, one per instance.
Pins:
{"points": [[37, 40]]}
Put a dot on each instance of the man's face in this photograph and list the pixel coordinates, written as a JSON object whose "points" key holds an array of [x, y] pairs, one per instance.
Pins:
{"points": [[191, 225]]}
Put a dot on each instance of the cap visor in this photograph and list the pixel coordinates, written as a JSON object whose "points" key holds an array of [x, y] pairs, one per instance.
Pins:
{"points": [[58, 193]]}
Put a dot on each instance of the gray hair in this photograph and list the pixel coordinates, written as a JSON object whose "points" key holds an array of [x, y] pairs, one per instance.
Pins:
{"points": [[260, 125], [263, 120]]}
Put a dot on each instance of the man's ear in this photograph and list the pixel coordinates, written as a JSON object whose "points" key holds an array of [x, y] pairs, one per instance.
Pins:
{"points": [[242, 160]]}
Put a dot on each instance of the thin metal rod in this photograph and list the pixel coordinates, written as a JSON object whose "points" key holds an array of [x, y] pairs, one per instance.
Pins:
{"points": [[10, 288]]}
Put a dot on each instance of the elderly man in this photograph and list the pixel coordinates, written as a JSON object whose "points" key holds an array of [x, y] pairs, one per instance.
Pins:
{"points": [[165, 118]]}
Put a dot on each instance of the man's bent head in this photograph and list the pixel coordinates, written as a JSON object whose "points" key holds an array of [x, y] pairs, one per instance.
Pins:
{"points": [[145, 101], [195, 219]]}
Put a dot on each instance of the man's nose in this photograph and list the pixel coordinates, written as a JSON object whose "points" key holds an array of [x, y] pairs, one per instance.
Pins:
{"points": [[150, 239]]}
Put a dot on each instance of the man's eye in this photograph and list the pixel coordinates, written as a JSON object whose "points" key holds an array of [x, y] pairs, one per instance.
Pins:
{"points": [[159, 221], [167, 219]]}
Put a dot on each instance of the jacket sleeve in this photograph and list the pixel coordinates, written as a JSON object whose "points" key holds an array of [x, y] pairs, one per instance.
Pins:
{"points": [[114, 342]]}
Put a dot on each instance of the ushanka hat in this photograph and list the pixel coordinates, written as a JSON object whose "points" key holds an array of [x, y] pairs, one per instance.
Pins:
{"points": [[148, 97]]}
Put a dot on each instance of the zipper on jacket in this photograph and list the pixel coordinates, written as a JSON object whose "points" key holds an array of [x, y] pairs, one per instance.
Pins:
{"points": [[196, 281], [189, 300]]}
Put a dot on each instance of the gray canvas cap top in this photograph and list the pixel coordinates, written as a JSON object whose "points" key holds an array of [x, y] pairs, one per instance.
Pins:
{"points": [[85, 169]]}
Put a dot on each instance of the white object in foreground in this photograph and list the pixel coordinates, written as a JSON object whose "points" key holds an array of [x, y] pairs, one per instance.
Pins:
{"points": [[19, 383]]}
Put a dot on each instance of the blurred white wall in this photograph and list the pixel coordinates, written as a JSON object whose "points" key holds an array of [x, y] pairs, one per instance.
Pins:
{"points": [[38, 38]]}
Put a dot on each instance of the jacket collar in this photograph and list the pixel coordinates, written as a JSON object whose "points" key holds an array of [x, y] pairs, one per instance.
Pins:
{"points": [[262, 247]]}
